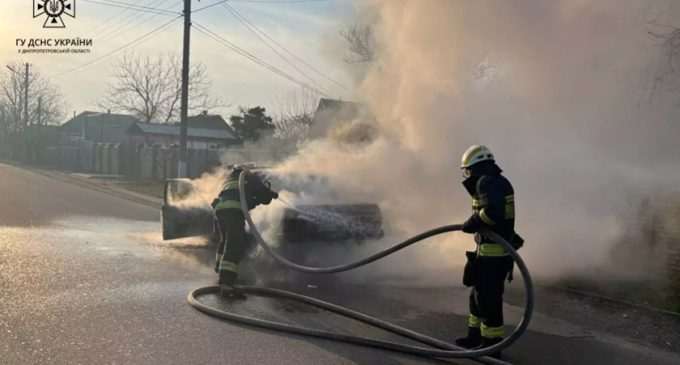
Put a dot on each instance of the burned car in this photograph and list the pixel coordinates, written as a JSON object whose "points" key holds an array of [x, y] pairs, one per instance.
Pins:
{"points": [[183, 215]]}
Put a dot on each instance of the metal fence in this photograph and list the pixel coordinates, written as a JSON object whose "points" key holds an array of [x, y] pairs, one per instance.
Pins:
{"points": [[142, 162]]}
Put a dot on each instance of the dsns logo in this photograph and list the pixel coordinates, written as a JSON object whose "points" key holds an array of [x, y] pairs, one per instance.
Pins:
{"points": [[53, 11]]}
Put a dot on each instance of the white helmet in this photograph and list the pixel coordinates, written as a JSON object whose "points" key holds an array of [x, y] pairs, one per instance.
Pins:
{"points": [[474, 155]]}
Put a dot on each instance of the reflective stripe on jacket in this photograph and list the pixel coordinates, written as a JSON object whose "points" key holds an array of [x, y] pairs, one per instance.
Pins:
{"points": [[229, 197], [228, 204], [493, 203], [258, 192], [491, 250]]}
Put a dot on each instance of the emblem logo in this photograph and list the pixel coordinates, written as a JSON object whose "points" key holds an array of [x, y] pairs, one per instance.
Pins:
{"points": [[53, 10]]}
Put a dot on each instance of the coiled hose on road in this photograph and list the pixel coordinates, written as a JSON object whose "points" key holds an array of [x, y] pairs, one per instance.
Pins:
{"points": [[442, 349]]}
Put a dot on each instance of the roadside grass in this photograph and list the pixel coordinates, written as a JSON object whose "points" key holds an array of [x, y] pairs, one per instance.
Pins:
{"points": [[649, 293]]}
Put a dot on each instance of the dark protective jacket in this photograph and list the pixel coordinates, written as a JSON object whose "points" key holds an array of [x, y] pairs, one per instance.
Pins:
{"points": [[493, 205], [258, 192]]}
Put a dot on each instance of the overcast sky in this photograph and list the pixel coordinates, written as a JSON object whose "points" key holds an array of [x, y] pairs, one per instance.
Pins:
{"points": [[307, 28]]}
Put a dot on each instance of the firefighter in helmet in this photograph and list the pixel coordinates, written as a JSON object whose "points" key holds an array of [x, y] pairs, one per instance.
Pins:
{"points": [[233, 241], [487, 268]]}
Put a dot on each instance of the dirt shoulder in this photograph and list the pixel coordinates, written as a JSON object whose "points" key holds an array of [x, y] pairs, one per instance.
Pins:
{"points": [[607, 316]]}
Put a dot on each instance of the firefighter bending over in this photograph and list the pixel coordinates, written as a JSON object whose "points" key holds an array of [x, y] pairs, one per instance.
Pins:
{"points": [[233, 240], [493, 206]]}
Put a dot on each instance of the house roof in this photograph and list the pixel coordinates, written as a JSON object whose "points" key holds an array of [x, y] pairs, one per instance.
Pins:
{"points": [[208, 121], [97, 117], [325, 103], [101, 127], [112, 127], [335, 109], [174, 130]]}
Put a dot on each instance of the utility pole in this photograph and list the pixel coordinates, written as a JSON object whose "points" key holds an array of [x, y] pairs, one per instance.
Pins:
{"points": [[40, 110], [184, 112], [26, 95], [37, 144]]}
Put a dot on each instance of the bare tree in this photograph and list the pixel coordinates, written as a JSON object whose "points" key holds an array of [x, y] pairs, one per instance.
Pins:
{"points": [[295, 114], [150, 88], [45, 103], [13, 100], [360, 43], [669, 38], [4, 119]]}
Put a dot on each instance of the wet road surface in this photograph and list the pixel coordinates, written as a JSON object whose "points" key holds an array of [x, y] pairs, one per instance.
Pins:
{"points": [[85, 278]]}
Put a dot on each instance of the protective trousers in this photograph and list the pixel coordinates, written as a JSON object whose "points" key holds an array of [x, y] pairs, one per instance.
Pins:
{"points": [[486, 298], [232, 246]]}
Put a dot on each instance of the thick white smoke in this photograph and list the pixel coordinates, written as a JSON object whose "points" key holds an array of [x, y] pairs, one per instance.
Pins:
{"points": [[560, 91], [563, 92]]}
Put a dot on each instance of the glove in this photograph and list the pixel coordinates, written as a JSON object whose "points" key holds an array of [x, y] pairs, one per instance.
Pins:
{"points": [[267, 200], [471, 225], [275, 195]]}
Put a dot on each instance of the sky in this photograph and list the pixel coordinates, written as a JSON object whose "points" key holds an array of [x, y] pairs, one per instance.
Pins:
{"points": [[309, 29]]}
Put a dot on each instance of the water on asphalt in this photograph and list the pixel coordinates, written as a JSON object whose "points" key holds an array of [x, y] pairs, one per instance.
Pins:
{"points": [[85, 278]]}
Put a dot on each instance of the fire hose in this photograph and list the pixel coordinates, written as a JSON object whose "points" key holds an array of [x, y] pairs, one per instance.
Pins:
{"points": [[438, 349]]}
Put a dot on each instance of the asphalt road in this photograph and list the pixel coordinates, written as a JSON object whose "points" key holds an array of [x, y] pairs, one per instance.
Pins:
{"points": [[85, 278]]}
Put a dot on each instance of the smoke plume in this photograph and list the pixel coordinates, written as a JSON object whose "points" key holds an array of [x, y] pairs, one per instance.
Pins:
{"points": [[561, 91], [564, 92]]}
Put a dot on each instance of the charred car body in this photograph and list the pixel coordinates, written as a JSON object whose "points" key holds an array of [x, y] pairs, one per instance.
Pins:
{"points": [[183, 215]]}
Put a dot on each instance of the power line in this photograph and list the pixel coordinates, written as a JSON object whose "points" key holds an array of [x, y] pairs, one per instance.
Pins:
{"points": [[131, 23], [251, 56], [131, 43], [139, 8], [282, 56], [299, 59], [129, 20], [209, 6], [278, 1], [135, 5], [130, 6], [226, 43], [102, 32], [103, 24], [270, 2]]}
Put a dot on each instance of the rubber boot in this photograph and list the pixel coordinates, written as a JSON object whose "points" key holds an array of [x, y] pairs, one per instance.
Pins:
{"points": [[227, 290], [488, 342], [473, 339], [227, 278], [231, 293]]}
